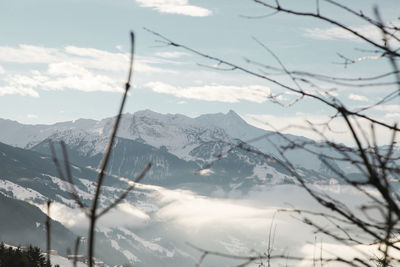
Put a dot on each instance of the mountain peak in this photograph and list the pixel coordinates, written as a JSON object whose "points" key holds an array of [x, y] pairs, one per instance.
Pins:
{"points": [[232, 114], [146, 112], [230, 120]]}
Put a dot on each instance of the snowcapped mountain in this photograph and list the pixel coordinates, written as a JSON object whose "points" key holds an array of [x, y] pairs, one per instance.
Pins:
{"points": [[198, 139], [27, 176], [179, 146], [139, 231], [269, 142], [145, 230], [178, 134]]}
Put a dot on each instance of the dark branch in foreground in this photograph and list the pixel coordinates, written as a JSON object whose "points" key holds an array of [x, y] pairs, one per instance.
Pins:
{"points": [[92, 213]]}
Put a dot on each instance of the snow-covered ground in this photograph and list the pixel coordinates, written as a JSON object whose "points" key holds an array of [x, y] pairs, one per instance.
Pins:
{"points": [[64, 262]]}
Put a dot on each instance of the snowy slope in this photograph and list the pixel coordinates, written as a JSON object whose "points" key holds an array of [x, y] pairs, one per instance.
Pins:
{"points": [[197, 142], [44, 184], [269, 141], [154, 224], [178, 134]]}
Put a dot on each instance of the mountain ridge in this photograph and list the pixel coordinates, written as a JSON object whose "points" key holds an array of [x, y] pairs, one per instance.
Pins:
{"points": [[179, 134]]}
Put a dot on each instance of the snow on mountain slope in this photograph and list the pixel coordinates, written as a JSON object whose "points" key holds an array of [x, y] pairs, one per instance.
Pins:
{"points": [[141, 228], [177, 133], [25, 136], [44, 185], [153, 225], [201, 140], [64, 262], [22, 223], [269, 141], [20, 192]]}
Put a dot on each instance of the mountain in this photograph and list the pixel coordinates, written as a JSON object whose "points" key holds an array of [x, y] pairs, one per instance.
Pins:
{"points": [[177, 146], [27, 176], [154, 223], [22, 223], [137, 231], [269, 142], [179, 135], [193, 159], [128, 158]]}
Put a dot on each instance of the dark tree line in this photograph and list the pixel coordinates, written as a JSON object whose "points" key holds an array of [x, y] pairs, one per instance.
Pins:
{"points": [[22, 257]]}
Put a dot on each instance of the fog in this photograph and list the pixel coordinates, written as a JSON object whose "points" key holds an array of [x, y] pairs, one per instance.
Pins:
{"points": [[234, 224]]}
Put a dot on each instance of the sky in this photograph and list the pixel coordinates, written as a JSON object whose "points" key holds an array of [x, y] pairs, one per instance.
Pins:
{"points": [[64, 60]]}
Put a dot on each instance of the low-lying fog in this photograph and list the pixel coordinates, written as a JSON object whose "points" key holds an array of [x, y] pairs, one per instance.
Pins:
{"points": [[237, 225]]}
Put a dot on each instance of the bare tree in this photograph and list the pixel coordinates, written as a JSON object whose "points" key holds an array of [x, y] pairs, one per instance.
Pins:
{"points": [[376, 223], [93, 212]]}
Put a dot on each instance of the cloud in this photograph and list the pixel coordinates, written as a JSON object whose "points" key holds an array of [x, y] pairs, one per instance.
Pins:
{"points": [[188, 209], [214, 92], [205, 172], [64, 75], [247, 218], [329, 33], [29, 54], [358, 97], [299, 125], [180, 7], [124, 214], [237, 226], [175, 54], [104, 60], [388, 108], [393, 115], [336, 33], [9, 90], [71, 67], [86, 57], [32, 116]]}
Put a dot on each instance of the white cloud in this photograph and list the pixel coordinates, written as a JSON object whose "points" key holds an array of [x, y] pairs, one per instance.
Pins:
{"points": [[237, 226], [214, 92], [71, 67], [124, 214], [358, 97], [205, 172], [29, 54], [86, 57], [298, 125], [250, 215], [329, 33], [9, 90], [393, 115], [104, 60], [333, 33], [64, 75], [191, 210], [180, 7], [347, 252], [395, 108], [175, 54], [32, 116]]}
